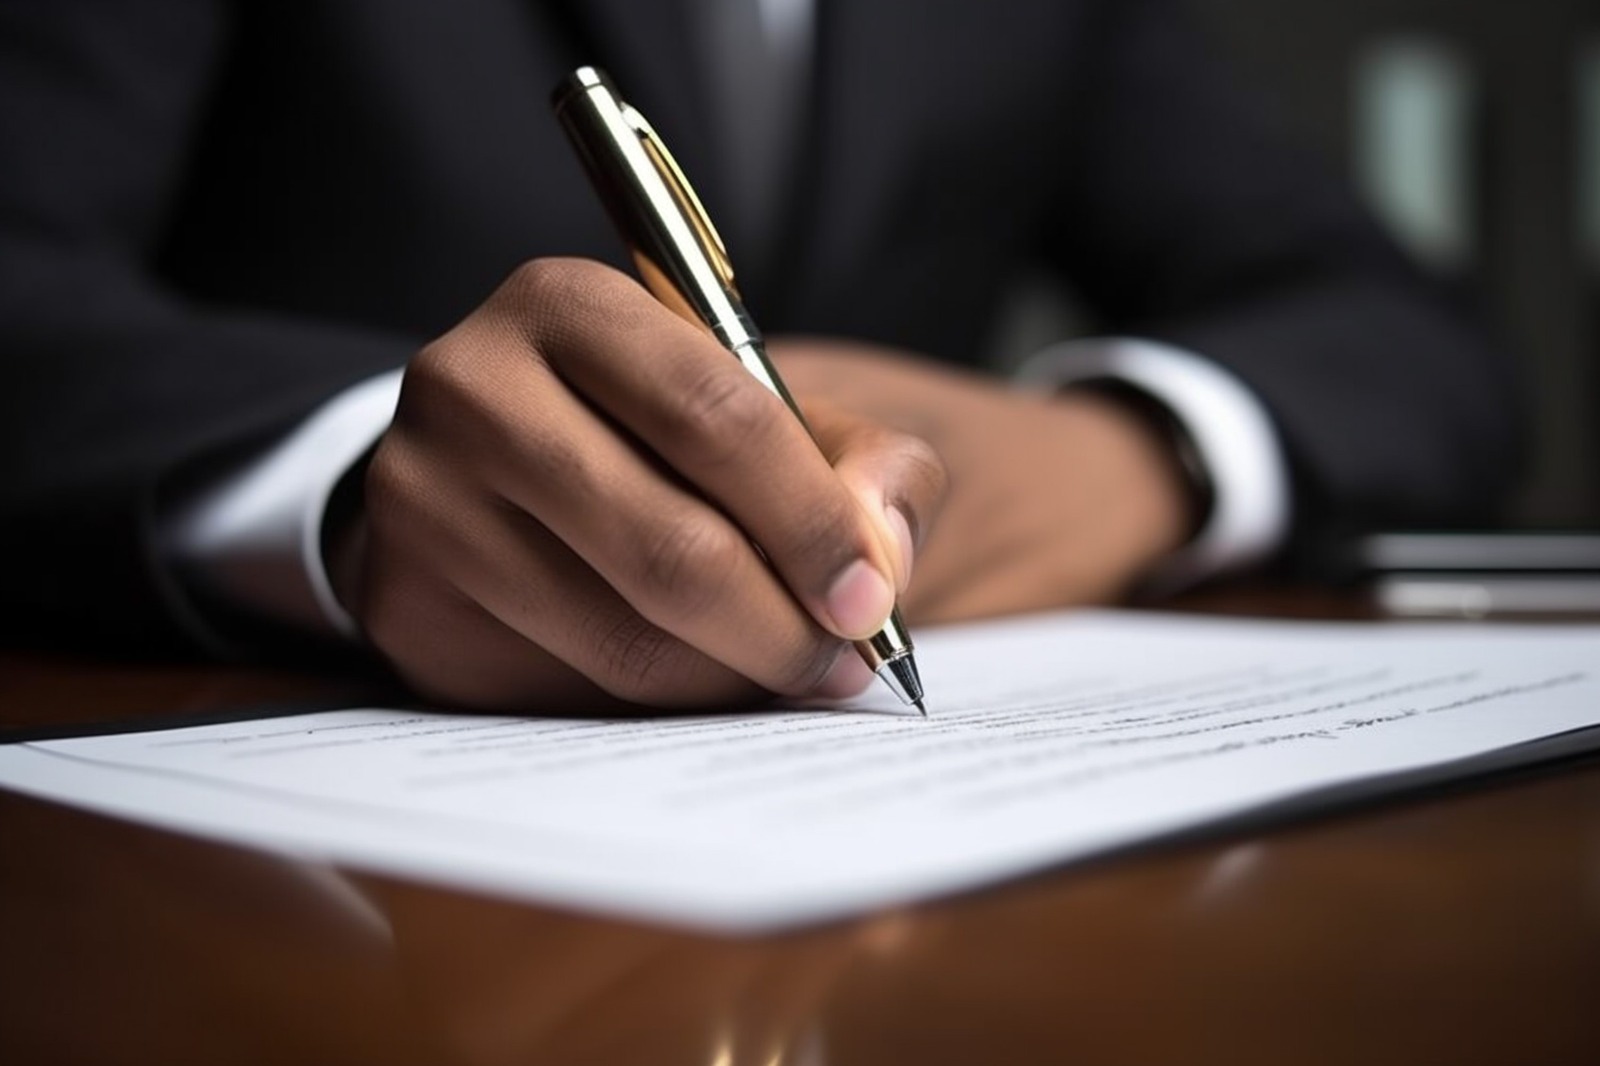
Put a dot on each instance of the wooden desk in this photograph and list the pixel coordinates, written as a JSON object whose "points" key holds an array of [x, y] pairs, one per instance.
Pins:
{"points": [[1456, 928]]}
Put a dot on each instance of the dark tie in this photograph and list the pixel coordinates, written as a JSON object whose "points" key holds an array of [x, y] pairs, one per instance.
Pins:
{"points": [[757, 55]]}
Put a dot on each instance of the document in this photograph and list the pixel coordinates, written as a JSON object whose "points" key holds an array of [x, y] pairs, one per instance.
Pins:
{"points": [[1048, 738]]}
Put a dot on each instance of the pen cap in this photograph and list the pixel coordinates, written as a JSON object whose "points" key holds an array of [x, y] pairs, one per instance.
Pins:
{"points": [[677, 251]]}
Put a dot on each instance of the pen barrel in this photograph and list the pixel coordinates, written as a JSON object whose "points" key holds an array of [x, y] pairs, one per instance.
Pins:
{"points": [[677, 252]]}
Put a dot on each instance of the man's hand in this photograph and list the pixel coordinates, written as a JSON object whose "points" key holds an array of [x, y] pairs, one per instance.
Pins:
{"points": [[1054, 499], [570, 503]]}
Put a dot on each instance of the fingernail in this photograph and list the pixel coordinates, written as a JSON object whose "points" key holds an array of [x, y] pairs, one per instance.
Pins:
{"points": [[902, 533], [850, 676], [859, 601]]}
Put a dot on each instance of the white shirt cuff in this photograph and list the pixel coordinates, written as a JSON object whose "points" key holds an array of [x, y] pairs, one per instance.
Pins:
{"points": [[253, 538], [1231, 431]]}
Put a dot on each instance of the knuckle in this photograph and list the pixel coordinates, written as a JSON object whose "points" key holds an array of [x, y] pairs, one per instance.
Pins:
{"points": [[918, 476], [925, 467], [472, 410], [635, 659], [537, 280], [441, 381], [721, 413], [535, 301], [556, 297], [685, 560]]}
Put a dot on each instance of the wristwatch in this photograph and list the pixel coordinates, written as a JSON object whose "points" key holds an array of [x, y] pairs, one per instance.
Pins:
{"points": [[1199, 491]]}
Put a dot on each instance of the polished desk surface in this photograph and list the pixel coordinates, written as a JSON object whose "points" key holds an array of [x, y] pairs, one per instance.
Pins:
{"points": [[1452, 927]]}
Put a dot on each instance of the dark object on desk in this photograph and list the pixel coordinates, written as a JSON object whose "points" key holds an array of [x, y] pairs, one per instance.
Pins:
{"points": [[1476, 574]]}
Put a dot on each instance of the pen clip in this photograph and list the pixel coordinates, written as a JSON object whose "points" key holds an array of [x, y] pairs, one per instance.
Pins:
{"points": [[683, 194]]}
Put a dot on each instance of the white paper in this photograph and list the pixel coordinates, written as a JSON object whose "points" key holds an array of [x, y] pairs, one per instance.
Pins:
{"points": [[1048, 738]]}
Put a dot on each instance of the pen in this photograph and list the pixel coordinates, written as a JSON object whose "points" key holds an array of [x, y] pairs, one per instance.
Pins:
{"points": [[682, 261]]}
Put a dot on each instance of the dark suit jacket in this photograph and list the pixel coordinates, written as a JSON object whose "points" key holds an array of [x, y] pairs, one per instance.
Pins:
{"points": [[214, 214]]}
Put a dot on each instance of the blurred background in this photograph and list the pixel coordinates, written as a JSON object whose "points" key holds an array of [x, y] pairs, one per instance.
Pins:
{"points": [[1473, 129]]}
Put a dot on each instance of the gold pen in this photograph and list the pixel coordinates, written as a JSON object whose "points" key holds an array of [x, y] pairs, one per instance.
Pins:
{"points": [[681, 260]]}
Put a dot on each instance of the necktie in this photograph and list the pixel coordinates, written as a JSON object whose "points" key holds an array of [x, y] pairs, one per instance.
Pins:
{"points": [[757, 55]]}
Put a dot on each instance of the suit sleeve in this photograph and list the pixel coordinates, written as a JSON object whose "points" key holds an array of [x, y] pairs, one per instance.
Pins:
{"points": [[1188, 217], [116, 387]]}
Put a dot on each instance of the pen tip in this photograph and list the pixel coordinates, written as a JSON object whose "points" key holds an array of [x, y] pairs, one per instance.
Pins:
{"points": [[900, 674]]}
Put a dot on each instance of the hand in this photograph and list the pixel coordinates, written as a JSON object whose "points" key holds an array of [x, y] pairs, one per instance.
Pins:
{"points": [[569, 502], [1054, 499]]}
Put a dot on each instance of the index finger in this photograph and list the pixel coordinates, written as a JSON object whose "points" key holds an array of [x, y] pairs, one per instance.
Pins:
{"points": [[690, 401]]}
